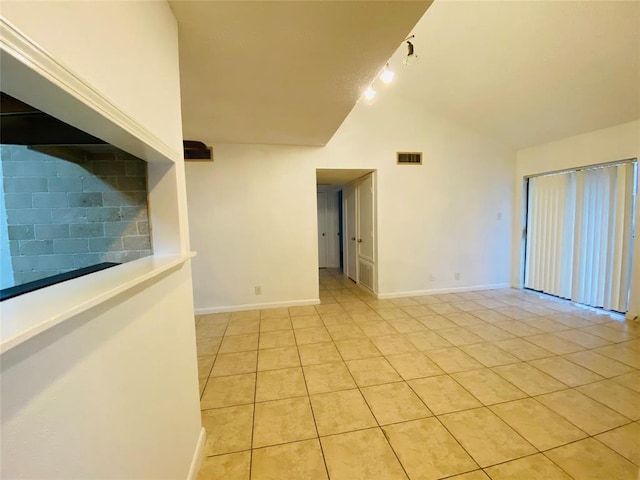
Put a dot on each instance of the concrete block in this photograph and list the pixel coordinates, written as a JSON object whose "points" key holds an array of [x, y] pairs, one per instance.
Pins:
{"points": [[114, 199], [55, 262], [103, 214], [99, 184], [65, 184], [86, 230], [18, 200], [85, 199], [143, 228], [138, 213], [25, 184], [38, 275], [70, 245], [108, 167], [120, 229], [28, 216], [82, 260], [29, 168], [46, 232], [132, 184], [121, 256], [17, 278], [140, 242], [105, 244], [36, 247], [136, 168], [21, 232], [50, 200], [69, 215], [25, 263], [73, 169]]}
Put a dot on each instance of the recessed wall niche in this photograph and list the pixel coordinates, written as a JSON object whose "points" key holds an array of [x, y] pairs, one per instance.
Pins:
{"points": [[65, 207]]}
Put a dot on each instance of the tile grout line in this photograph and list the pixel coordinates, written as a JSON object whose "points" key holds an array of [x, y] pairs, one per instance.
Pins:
{"points": [[467, 328], [384, 434], [255, 395], [371, 410], [214, 360], [313, 415]]}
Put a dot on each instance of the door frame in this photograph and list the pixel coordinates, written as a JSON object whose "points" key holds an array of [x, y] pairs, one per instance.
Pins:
{"points": [[322, 231], [334, 188], [374, 209]]}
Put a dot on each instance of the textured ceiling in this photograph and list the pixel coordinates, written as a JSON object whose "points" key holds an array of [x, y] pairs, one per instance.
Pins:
{"points": [[282, 72], [523, 72], [527, 72]]}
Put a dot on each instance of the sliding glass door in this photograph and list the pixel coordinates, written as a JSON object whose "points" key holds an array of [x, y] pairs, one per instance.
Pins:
{"points": [[579, 237]]}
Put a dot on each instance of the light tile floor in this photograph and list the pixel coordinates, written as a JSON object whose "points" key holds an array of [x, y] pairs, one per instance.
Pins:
{"points": [[496, 384]]}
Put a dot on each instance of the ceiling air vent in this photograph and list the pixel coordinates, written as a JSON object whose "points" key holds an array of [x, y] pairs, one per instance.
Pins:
{"points": [[409, 158]]}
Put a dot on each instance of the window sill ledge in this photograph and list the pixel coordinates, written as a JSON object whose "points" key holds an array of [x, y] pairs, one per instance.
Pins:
{"points": [[30, 314]]}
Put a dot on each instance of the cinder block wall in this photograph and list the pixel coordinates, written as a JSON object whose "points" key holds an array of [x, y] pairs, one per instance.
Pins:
{"points": [[63, 215]]}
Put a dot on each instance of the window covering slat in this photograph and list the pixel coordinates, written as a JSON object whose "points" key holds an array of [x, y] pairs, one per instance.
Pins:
{"points": [[579, 235]]}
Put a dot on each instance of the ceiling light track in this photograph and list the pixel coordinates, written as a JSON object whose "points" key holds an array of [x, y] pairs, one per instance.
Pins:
{"points": [[387, 75]]}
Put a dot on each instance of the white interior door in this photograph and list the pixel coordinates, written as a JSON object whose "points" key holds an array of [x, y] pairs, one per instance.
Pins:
{"points": [[322, 229], [366, 232], [350, 234]]}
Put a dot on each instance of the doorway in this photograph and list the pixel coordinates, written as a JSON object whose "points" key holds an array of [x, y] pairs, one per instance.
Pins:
{"points": [[347, 203]]}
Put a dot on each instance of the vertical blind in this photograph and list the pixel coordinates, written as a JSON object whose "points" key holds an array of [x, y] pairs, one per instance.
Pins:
{"points": [[580, 234]]}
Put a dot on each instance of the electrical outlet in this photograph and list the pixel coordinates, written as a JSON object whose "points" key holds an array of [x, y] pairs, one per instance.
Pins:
{"points": [[432, 278], [456, 275], [499, 216], [257, 290]]}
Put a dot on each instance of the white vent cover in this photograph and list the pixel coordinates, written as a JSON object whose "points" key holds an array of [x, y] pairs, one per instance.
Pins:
{"points": [[365, 276], [409, 158]]}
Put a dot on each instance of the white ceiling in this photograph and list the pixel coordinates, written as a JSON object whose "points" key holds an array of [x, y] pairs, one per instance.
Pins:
{"points": [[282, 72], [527, 72], [523, 72]]}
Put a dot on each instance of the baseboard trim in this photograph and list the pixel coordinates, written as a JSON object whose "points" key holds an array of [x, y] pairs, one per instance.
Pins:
{"points": [[435, 291], [198, 455], [257, 306]]}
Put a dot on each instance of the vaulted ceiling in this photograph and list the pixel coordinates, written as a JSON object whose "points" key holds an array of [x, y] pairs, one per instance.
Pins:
{"points": [[523, 72], [528, 72], [282, 72]]}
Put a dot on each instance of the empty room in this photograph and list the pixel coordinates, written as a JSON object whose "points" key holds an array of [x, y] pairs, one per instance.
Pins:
{"points": [[251, 240]]}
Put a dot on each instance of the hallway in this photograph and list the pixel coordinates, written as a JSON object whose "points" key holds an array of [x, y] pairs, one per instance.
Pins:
{"points": [[494, 384]]}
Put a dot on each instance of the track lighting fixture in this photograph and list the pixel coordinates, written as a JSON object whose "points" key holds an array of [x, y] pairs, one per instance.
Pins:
{"points": [[411, 57], [387, 75], [369, 93]]}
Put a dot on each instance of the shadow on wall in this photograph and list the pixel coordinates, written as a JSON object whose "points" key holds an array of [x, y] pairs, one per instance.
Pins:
{"points": [[66, 214]]}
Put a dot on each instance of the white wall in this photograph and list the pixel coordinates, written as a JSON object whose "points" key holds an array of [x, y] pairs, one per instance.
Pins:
{"points": [[112, 392], [610, 144], [95, 40], [256, 210]]}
